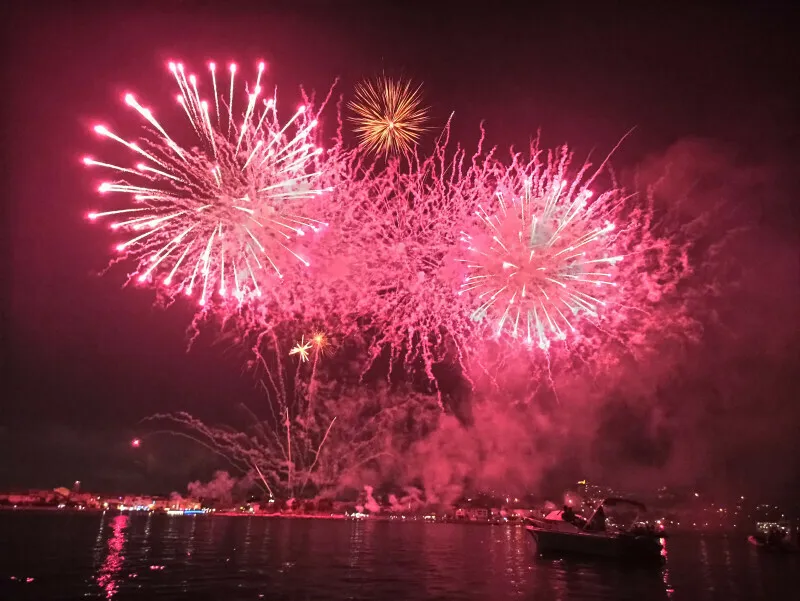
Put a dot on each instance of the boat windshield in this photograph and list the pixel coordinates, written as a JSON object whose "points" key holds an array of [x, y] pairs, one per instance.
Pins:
{"points": [[622, 515]]}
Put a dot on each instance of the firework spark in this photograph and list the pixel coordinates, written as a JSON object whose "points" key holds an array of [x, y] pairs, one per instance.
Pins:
{"points": [[388, 115], [225, 215], [402, 225], [321, 343], [541, 254], [302, 348]]}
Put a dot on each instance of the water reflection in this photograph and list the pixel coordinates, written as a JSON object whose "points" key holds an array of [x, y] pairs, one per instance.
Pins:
{"points": [[708, 583], [733, 592], [665, 570], [237, 560], [98, 541], [356, 542], [108, 579]]}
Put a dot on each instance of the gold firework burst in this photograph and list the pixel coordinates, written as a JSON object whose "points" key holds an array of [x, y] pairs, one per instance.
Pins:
{"points": [[388, 115], [322, 344]]}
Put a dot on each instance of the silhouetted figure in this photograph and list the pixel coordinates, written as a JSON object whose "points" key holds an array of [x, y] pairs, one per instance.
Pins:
{"points": [[567, 514], [599, 520]]}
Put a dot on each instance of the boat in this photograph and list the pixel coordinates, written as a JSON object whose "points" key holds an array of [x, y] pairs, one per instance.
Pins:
{"points": [[613, 537], [776, 544]]}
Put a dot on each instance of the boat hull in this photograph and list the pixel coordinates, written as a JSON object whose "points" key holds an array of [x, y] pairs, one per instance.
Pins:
{"points": [[596, 544]]}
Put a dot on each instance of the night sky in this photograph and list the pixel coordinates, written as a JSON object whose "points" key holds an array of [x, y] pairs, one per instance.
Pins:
{"points": [[88, 360]]}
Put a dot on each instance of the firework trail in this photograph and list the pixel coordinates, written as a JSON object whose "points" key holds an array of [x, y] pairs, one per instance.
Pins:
{"points": [[316, 436], [228, 215], [402, 222], [388, 115]]}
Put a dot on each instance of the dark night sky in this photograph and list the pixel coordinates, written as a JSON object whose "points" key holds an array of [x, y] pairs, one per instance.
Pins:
{"points": [[88, 360]]}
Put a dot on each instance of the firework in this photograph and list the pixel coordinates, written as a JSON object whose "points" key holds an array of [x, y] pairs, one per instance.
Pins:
{"points": [[227, 214], [541, 254], [322, 344], [388, 115], [403, 225], [314, 437], [301, 349]]}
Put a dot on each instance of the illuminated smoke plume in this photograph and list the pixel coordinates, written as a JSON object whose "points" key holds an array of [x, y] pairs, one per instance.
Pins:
{"points": [[219, 488], [227, 217]]}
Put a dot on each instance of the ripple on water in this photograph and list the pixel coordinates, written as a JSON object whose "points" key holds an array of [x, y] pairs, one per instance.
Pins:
{"points": [[49, 555]]}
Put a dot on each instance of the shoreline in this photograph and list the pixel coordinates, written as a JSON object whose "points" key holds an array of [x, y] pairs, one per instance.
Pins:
{"points": [[240, 514]]}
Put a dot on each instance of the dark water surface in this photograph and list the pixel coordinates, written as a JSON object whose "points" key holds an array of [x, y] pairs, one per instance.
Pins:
{"points": [[77, 556]]}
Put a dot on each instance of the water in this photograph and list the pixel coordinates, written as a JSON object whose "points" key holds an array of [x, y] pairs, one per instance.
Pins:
{"points": [[120, 557]]}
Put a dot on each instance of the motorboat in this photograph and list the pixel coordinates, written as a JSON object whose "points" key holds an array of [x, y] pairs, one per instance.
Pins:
{"points": [[611, 532], [777, 544]]}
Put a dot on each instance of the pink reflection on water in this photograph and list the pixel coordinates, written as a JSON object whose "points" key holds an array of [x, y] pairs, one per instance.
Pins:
{"points": [[665, 570], [108, 580]]}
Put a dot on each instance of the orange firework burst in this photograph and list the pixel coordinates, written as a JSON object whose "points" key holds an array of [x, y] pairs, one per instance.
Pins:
{"points": [[322, 344], [388, 115]]}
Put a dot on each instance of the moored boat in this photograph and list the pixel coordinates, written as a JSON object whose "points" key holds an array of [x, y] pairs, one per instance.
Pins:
{"points": [[613, 537], [777, 544]]}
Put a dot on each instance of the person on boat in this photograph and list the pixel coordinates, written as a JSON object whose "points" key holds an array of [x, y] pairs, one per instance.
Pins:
{"points": [[598, 522], [567, 514], [775, 537]]}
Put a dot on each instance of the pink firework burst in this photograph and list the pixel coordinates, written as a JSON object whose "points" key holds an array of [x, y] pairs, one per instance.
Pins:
{"points": [[399, 228], [541, 254], [227, 216]]}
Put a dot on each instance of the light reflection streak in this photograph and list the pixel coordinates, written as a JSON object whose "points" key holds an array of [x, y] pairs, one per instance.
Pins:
{"points": [[665, 570], [108, 580]]}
